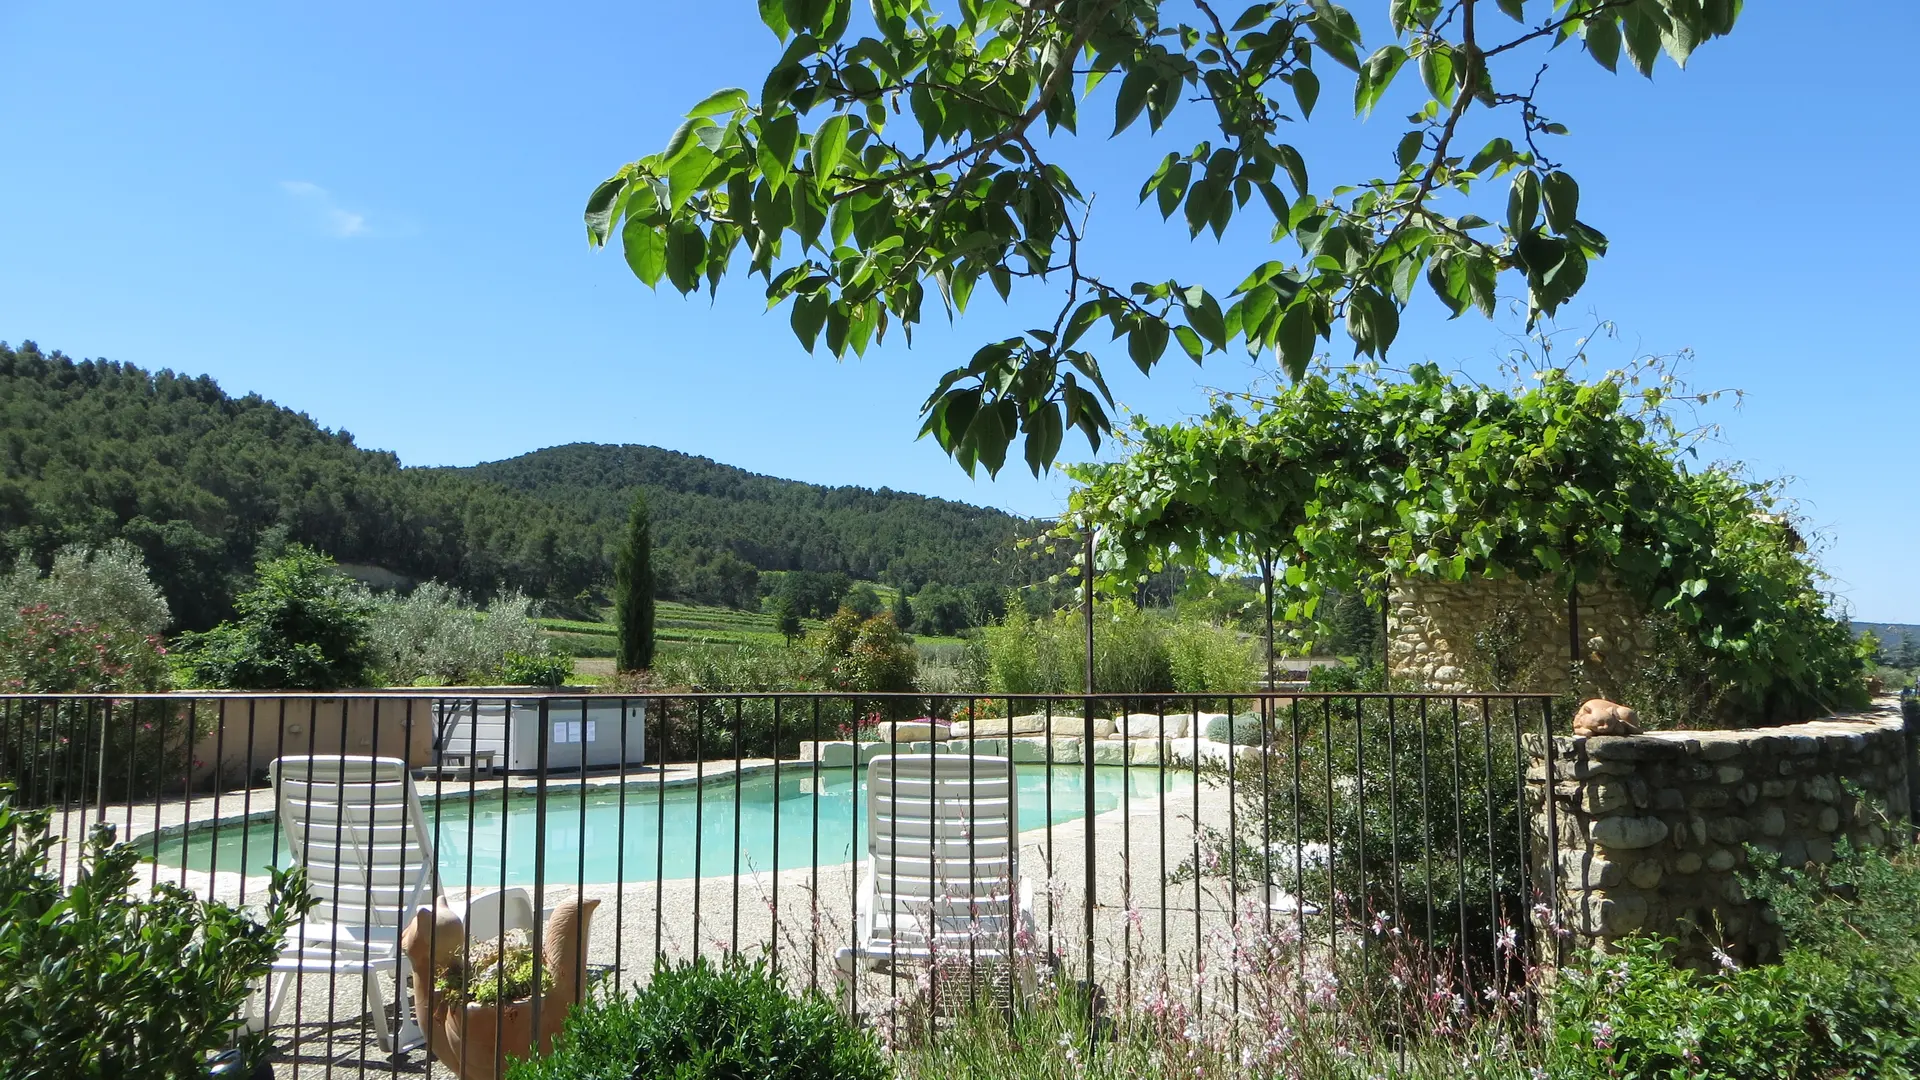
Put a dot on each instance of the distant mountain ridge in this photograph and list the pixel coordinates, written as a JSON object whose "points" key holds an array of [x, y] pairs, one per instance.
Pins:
{"points": [[198, 479]]}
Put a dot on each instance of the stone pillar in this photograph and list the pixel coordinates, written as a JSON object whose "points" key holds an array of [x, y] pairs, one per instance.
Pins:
{"points": [[1434, 626]]}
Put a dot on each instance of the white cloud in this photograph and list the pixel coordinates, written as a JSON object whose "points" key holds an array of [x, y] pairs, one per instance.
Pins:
{"points": [[334, 219]]}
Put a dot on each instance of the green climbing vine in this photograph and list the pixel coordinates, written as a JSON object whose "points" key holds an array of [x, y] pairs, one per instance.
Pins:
{"points": [[1349, 479]]}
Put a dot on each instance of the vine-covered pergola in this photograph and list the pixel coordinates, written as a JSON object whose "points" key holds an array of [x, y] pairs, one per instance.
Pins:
{"points": [[1350, 480]]}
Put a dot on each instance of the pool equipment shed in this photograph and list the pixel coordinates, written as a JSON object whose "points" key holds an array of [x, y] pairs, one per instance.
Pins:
{"points": [[510, 730]]}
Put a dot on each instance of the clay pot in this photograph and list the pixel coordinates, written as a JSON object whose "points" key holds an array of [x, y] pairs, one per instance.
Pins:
{"points": [[476, 1041]]}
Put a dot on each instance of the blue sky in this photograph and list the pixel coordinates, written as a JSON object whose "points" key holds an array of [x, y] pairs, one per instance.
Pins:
{"points": [[371, 213]]}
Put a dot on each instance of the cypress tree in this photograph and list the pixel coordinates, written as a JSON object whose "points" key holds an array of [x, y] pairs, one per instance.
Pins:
{"points": [[633, 589]]}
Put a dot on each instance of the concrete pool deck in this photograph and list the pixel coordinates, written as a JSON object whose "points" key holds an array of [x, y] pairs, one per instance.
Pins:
{"points": [[1148, 919]]}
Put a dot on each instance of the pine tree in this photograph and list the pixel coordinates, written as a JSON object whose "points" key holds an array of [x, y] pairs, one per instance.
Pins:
{"points": [[902, 610], [633, 589]]}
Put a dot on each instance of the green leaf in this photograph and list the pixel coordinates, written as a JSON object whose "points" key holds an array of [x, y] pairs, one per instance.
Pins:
{"points": [[646, 250], [829, 147], [1296, 340], [689, 170], [686, 254], [1603, 40], [732, 99], [1146, 343], [1375, 76], [773, 13], [1044, 431], [1173, 186], [1372, 321], [778, 136], [1134, 90], [1335, 31], [682, 135], [1436, 71], [600, 208], [1523, 203], [1203, 314], [1563, 201], [1296, 167], [1306, 91], [1643, 40]]}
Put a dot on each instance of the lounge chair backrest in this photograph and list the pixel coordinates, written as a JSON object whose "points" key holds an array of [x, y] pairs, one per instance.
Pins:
{"points": [[943, 836], [354, 824]]}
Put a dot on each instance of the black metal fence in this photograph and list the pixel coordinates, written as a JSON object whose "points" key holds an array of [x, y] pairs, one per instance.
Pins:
{"points": [[1215, 850]]}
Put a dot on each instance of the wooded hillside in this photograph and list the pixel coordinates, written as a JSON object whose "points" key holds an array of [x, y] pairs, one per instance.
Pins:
{"points": [[197, 479]]}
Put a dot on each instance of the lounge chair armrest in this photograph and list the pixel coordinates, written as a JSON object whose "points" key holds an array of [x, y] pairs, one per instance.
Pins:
{"points": [[489, 914]]}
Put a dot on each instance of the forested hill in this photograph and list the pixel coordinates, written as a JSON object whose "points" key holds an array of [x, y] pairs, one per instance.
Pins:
{"points": [[91, 450], [699, 504]]}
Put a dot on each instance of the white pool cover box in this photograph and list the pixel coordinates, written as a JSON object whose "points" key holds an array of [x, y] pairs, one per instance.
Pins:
{"points": [[591, 737]]}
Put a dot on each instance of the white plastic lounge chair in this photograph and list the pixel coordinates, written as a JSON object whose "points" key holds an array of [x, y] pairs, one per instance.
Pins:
{"points": [[942, 884], [354, 825]]}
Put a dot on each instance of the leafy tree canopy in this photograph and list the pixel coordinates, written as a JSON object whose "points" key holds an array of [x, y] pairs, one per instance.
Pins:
{"points": [[935, 163], [1351, 479]]}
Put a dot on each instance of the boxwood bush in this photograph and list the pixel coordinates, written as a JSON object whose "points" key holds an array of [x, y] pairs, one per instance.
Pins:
{"points": [[732, 1020]]}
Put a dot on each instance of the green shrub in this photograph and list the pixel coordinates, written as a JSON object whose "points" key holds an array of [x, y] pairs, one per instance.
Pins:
{"points": [[1244, 729], [705, 1021], [521, 669], [106, 586], [1839, 1003], [1204, 657], [98, 982], [303, 626], [436, 636]]}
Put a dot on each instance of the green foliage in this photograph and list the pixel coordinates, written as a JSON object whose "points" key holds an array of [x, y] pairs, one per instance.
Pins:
{"points": [[1351, 479], [1241, 729], [864, 601], [811, 594], [902, 610], [528, 669], [1839, 1003], [302, 626], [100, 979], [1204, 657], [633, 590], [936, 164], [43, 651], [865, 655], [435, 636], [1135, 652], [108, 586], [732, 1020], [1370, 809]]}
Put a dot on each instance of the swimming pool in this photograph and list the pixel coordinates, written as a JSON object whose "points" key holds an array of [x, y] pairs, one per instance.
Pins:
{"points": [[640, 833]]}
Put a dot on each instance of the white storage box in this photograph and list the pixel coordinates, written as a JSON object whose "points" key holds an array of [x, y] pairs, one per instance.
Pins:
{"points": [[577, 737]]}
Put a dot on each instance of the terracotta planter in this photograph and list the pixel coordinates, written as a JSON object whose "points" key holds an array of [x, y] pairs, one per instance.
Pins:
{"points": [[476, 1041]]}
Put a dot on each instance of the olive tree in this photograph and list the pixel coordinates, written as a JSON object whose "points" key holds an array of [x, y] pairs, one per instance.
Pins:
{"points": [[899, 152]]}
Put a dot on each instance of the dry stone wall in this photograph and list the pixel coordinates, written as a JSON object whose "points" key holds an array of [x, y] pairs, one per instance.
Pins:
{"points": [[1431, 643], [1653, 830]]}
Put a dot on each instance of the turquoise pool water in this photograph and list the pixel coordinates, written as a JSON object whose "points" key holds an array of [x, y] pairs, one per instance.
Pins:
{"points": [[682, 833]]}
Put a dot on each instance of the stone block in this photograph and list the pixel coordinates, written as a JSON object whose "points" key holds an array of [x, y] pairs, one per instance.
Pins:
{"points": [[1720, 748], [1776, 789], [1645, 873], [1727, 830], [1708, 799], [1747, 794], [1030, 749], [1772, 822], [1820, 788], [1720, 860], [1605, 796], [1144, 751], [1629, 832], [1687, 862], [1627, 748], [1066, 750], [1793, 853], [1588, 870], [835, 755], [1828, 819], [1109, 752], [1820, 850], [1617, 914], [1729, 774], [1669, 799]]}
